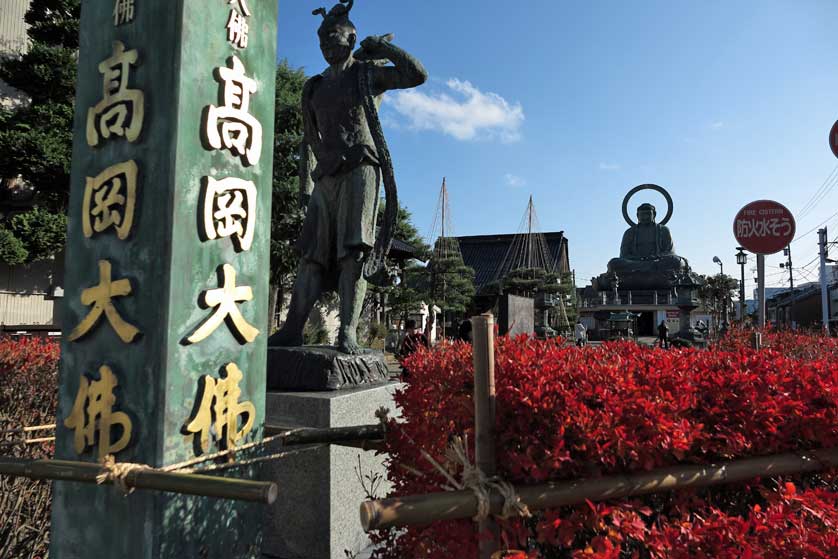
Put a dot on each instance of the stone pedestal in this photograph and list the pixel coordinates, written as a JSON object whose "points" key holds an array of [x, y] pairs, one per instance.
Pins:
{"points": [[323, 368], [316, 515]]}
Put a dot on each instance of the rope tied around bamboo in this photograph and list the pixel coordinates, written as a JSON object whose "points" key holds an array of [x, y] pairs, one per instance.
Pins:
{"points": [[474, 479], [117, 473]]}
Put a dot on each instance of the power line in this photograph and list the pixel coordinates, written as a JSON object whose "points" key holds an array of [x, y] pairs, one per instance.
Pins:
{"points": [[815, 228], [820, 193]]}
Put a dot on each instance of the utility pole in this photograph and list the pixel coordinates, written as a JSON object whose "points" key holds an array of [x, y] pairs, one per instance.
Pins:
{"points": [[824, 282], [444, 248], [761, 290], [787, 252]]}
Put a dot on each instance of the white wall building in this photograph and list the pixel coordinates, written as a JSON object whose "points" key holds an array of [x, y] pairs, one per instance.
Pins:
{"points": [[13, 41]]}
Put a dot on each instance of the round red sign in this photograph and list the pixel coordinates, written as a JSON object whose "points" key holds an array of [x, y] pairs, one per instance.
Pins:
{"points": [[833, 138], [764, 227]]}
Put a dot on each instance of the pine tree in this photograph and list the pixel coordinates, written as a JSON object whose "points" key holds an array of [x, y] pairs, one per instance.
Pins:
{"points": [[36, 137], [449, 283]]}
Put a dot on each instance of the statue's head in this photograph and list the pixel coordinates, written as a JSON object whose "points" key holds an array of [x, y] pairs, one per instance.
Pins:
{"points": [[646, 213], [337, 33]]}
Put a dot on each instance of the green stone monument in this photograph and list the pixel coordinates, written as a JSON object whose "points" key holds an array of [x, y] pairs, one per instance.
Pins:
{"points": [[163, 355]]}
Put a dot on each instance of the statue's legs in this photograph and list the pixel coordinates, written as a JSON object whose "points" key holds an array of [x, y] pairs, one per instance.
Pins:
{"points": [[307, 290], [351, 287]]}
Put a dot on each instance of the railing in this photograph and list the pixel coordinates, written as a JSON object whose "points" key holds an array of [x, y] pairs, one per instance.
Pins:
{"points": [[630, 297]]}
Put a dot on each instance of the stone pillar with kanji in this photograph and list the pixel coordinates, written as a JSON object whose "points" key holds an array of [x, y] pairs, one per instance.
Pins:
{"points": [[166, 292]]}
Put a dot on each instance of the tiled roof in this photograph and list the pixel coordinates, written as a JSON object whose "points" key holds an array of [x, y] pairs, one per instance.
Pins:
{"points": [[400, 250], [485, 254]]}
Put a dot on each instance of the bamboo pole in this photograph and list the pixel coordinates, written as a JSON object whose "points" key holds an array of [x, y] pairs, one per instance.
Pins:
{"points": [[356, 436], [424, 509], [189, 484], [27, 441], [28, 429], [483, 343]]}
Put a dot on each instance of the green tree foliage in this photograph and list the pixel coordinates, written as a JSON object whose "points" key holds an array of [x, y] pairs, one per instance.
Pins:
{"points": [[40, 232], [12, 251], [286, 213], [717, 291], [36, 137]]}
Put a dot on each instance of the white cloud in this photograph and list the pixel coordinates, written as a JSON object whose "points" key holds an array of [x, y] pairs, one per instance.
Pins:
{"points": [[609, 167], [716, 125], [462, 111], [514, 181]]}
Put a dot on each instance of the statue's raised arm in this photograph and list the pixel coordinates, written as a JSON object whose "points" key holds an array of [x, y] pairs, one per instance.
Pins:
{"points": [[406, 71]]}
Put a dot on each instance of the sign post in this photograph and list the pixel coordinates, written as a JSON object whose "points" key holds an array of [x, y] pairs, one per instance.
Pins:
{"points": [[833, 139], [763, 227], [163, 355]]}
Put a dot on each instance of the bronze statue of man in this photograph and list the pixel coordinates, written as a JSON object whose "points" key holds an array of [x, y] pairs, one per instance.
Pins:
{"points": [[342, 159]]}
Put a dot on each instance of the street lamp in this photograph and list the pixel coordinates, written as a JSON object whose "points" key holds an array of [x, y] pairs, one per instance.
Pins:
{"points": [[741, 259], [718, 261]]}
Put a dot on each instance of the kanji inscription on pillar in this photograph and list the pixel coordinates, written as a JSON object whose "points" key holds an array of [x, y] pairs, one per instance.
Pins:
{"points": [[228, 208], [224, 302], [231, 126], [109, 200], [93, 414], [100, 298], [221, 409], [122, 109]]}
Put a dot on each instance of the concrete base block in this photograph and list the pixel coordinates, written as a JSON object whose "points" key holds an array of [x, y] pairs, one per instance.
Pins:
{"points": [[317, 513]]}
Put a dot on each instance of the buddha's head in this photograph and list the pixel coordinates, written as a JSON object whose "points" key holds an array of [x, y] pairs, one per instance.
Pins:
{"points": [[646, 214]]}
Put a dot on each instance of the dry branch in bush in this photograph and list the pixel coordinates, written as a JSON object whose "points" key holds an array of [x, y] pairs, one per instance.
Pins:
{"points": [[28, 398]]}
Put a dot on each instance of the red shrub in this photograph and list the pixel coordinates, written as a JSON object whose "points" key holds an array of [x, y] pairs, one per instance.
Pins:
{"points": [[28, 397], [566, 413]]}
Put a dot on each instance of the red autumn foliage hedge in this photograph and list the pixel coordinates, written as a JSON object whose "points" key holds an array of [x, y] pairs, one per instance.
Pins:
{"points": [[566, 413], [28, 397]]}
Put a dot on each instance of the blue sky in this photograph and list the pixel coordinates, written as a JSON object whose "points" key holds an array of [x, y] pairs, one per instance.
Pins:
{"points": [[720, 102]]}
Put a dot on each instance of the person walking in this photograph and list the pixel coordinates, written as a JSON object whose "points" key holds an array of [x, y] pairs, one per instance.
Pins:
{"points": [[581, 334], [663, 335], [413, 340]]}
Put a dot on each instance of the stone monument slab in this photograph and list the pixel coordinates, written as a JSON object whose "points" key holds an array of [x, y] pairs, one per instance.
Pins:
{"points": [[517, 315]]}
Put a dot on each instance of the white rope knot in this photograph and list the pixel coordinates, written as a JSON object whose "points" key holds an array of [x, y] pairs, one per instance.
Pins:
{"points": [[117, 472], [475, 479]]}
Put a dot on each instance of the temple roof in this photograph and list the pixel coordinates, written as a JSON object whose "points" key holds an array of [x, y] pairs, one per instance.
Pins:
{"points": [[486, 253]]}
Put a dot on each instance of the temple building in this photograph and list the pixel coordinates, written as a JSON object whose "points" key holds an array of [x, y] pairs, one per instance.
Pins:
{"points": [[487, 255]]}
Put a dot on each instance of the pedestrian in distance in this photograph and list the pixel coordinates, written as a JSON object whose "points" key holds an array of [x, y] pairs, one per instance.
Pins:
{"points": [[663, 335], [581, 334], [413, 340]]}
